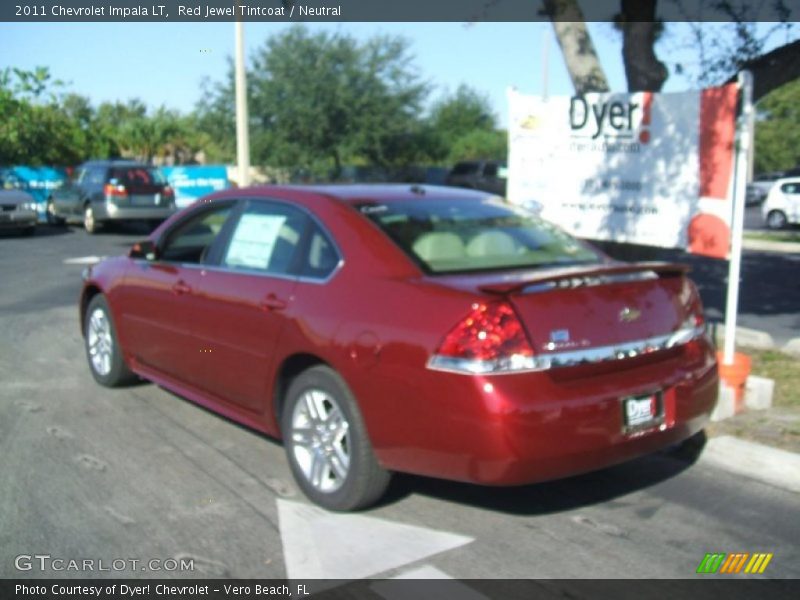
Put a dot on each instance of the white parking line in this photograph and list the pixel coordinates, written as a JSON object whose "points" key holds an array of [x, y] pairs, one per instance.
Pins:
{"points": [[756, 461], [321, 545], [83, 260]]}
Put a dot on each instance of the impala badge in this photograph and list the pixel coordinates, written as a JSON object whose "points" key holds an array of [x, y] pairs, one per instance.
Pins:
{"points": [[629, 315]]}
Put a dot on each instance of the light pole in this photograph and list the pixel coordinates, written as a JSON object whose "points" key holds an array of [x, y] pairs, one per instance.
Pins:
{"points": [[242, 130]]}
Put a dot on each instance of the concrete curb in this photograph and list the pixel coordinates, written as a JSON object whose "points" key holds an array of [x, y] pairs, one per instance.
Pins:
{"points": [[792, 347], [755, 461], [758, 340], [752, 338]]}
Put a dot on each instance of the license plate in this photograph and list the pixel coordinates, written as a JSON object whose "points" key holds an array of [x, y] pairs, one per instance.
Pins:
{"points": [[642, 411], [144, 199]]}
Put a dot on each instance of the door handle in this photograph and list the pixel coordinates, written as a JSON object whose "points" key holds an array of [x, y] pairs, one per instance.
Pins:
{"points": [[272, 302], [181, 287]]}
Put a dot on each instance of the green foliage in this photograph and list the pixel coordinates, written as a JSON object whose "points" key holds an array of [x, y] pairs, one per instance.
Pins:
{"points": [[487, 144], [34, 128], [317, 102], [463, 127], [39, 125], [214, 116], [778, 129], [321, 100]]}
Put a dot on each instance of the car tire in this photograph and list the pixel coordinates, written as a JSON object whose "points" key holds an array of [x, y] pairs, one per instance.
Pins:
{"points": [[52, 218], [327, 445], [776, 219], [102, 346], [90, 223]]}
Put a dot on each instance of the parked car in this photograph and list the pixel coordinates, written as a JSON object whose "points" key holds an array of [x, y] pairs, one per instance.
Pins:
{"points": [[107, 191], [758, 189], [782, 206], [487, 175], [755, 194], [427, 330], [18, 209]]}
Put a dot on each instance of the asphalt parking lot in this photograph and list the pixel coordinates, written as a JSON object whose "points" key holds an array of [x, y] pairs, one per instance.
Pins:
{"points": [[139, 474]]}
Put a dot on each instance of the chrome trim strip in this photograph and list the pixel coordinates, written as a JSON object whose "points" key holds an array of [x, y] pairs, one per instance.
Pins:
{"points": [[287, 276], [545, 362]]}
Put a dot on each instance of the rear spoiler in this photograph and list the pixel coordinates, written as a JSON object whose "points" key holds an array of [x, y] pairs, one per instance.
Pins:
{"points": [[584, 276]]}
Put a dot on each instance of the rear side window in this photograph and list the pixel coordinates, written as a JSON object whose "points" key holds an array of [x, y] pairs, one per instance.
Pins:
{"points": [[464, 235], [791, 188], [321, 257]]}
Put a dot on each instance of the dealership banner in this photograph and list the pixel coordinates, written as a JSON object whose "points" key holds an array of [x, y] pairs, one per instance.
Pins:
{"points": [[643, 168], [193, 182]]}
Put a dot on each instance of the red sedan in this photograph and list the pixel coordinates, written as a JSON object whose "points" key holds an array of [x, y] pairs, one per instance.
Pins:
{"points": [[428, 330]]}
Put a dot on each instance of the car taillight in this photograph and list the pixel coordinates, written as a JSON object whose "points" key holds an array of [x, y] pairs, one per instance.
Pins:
{"points": [[115, 191], [168, 192], [490, 339]]}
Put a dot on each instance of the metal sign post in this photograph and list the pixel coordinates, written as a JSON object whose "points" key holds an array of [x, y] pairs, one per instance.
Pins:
{"points": [[743, 138]]}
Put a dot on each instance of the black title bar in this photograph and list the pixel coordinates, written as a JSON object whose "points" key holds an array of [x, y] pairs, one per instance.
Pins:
{"points": [[704, 587], [383, 11]]}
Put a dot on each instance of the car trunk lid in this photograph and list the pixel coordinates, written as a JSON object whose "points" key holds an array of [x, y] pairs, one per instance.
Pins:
{"points": [[618, 307]]}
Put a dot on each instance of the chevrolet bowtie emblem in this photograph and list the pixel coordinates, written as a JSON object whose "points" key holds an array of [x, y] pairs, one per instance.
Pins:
{"points": [[629, 315]]}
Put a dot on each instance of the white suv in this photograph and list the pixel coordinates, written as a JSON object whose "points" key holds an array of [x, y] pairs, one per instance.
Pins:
{"points": [[782, 206]]}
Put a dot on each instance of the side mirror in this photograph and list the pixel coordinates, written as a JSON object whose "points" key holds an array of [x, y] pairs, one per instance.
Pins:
{"points": [[145, 249]]}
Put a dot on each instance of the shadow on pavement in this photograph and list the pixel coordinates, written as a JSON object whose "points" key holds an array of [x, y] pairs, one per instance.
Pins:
{"points": [[607, 485], [41, 231]]}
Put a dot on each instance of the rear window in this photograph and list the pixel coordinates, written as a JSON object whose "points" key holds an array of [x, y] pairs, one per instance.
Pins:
{"points": [[136, 176], [453, 236]]}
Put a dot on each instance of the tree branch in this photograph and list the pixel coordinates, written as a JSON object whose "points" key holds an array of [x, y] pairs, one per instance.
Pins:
{"points": [[773, 69]]}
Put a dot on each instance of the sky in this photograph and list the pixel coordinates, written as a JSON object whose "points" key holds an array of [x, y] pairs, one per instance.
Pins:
{"points": [[164, 63]]}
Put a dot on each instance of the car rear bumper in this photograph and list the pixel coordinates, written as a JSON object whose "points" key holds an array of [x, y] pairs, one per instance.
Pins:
{"points": [[112, 212], [18, 219], [519, 429]]}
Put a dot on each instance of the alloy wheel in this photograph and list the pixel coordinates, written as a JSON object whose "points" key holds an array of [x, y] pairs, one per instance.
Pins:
{"points": [[100, 342], [320, 440], [776, 220], [51, 213], [88, 220]]}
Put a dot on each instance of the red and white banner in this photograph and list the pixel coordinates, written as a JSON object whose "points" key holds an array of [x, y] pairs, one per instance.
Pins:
{"points": [[643, 168]]}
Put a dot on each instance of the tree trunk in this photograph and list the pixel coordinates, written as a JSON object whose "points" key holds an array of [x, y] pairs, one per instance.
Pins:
{"points": [[642, 68], [337, 164], [576, 44]]}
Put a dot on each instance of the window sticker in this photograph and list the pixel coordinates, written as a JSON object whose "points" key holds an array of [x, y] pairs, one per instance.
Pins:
{"points": [[254, 240]]}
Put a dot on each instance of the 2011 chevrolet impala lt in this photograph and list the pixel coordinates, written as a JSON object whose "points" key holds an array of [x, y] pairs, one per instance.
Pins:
{"points": [[427, 330]]}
